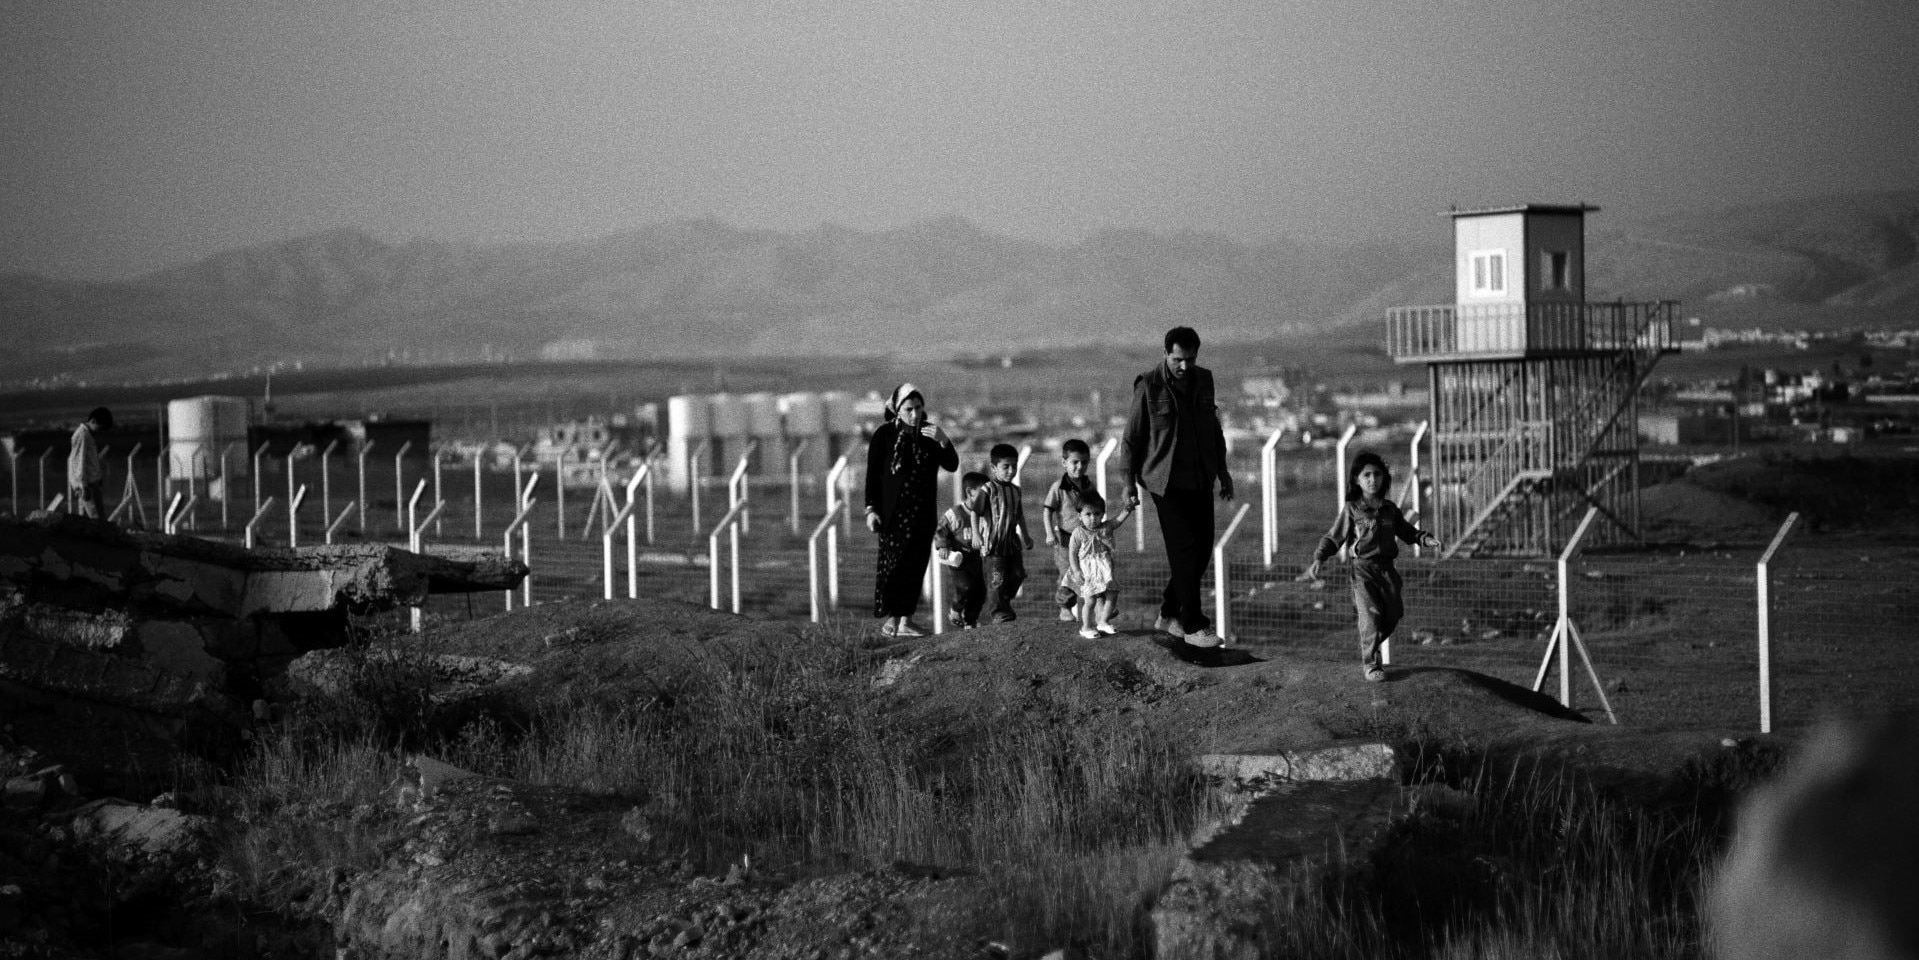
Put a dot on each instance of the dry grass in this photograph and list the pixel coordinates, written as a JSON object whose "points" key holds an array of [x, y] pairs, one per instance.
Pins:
{"points": [[1072, 827]]}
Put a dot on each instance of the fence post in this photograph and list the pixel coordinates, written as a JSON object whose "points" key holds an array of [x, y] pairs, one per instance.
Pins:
{"points": [[1019, 469], [827, 526], [1269, 495], [737, 492], [399, 486], [479, 454], [1412, 478], [293, 515], [366, 506], [524, 496], [793, 486], [435, 452], [1222, 578], [1099, 464], [1339, 467], [13, 480], [258, 452], [1765, 621], [835, 503], [415, 530], [258, 515], [1565, 636], [727, 524], [334, 525], [326, 479], [293, 507], [643, 475], [693, 479], [936, 576], [226, 487], [43, 477]]}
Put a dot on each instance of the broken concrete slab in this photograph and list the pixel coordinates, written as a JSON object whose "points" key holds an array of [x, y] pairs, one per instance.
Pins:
{"points": [[175, 624]]}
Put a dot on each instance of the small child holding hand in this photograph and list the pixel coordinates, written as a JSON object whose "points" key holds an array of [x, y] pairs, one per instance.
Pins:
{"points": [[1091, 550], [957, 540]]}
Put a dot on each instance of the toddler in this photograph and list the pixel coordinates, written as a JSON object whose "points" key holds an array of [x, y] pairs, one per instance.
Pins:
{"points": [[1091, 550], [1061, 510]]}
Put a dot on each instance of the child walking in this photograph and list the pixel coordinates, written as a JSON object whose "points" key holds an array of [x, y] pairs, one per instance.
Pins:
{"points": [[1061, 514], [957, 540], [1092, 564], [1373, 526], [1001, 521]]}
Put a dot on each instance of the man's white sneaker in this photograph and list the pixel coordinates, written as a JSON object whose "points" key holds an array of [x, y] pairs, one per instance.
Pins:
{"points": [[1106, 628], [1203, 638]]}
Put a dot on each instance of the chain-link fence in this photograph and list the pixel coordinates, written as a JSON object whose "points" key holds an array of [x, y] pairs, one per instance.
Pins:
{"points": [[1672, 632]]}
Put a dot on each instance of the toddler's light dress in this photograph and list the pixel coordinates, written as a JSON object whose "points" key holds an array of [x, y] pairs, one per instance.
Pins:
{"points": [[1093, 559]]}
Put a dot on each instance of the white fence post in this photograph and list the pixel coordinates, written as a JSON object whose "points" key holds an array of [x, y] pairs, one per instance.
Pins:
{"points": [[828, 527], [1412, 479], [524, 496], [1763, 577], [1269, 496], [479, 455], [334, 525], [793, 486], [1222, 579], [835, 504], [415, 534], [737, 492], [1565, 636], [1339, 467], [326, 479], [399, 486], [293, 515], [1099, 464], [258, 515], [729, 524], [365, 504]]}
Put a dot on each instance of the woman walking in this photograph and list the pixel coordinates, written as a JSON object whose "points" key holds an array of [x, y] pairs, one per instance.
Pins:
{"points": [[903, 462]]}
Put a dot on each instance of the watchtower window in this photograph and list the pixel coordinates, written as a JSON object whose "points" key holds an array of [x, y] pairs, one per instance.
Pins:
{"points": [[1489, 272], [1557, 270]]}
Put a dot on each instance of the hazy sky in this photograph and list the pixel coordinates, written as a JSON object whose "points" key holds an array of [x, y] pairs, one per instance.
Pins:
{"points": [[138, 135]]}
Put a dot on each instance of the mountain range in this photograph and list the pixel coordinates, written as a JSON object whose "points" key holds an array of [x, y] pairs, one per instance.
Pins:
{"points": [[702, 288]]}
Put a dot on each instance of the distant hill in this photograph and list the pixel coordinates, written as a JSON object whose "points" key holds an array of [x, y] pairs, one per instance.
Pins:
{"points": [[700, 287]]}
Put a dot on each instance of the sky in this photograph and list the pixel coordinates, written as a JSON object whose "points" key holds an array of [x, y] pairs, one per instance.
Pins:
{"points": [[138, 136]]}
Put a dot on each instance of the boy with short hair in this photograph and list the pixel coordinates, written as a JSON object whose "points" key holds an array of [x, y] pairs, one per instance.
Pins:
{"points": [[1001, 520], [957, 540], [1061, 511]]}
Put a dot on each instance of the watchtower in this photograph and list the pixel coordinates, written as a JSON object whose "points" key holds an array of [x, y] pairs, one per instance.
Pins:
{"points": [[1534, 390]]}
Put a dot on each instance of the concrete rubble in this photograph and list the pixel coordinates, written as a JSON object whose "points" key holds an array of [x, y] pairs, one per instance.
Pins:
{"points": [[173, 624]]}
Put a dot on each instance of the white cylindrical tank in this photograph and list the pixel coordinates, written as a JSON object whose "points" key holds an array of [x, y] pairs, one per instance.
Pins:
{"points": [[763, 422], [729, 416], [805, 414], [688, 416], [842, 425], [689, 423], [198, 428]]}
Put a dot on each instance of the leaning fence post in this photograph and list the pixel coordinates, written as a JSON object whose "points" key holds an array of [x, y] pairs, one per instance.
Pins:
{"points": [[1765, 621], [835, 503], [1339, 472], [258, 452], [293, 506], [1222, 578], [258, 515], [293, 515], [334, 526], [399, 486], [793, 486], [415, 535], [365, 504], [1412, 479], [1269, 496], [326, 478]]}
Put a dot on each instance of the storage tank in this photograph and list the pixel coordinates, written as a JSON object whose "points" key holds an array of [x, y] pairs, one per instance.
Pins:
{"points": [[842, 425], [805, 416], [731, 431], [764, 423], [198, 428], [689, 422]]}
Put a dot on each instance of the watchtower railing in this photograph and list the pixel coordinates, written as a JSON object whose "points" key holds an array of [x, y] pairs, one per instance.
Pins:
{"points": [[1481, 331]]}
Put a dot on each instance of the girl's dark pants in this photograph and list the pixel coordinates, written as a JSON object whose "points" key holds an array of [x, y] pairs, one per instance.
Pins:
{"points": [[1378, 602]]}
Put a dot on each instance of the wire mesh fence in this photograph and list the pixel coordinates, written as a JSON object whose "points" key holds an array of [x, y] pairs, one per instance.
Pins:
{"points": [[1672, 631]]}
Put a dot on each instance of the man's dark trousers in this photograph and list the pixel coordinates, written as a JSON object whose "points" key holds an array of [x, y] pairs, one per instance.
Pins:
{"points": [[1186, 524]]}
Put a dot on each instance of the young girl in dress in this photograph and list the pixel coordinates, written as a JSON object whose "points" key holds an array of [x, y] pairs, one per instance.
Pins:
{"points": [[1372, 526], [1091, 551]]}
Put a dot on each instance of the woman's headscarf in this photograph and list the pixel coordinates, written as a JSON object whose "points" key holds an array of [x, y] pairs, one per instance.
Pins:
{"points": [[903, 446]]}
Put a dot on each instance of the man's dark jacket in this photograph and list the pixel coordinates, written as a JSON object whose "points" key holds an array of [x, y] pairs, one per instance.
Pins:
{"points": [[1153, 424]]}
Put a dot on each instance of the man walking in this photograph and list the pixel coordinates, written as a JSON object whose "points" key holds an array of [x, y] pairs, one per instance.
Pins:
{"points": [[1175, 448], [83, 465]]}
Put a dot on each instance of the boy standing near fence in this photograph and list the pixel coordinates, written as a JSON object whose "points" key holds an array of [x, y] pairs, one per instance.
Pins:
{"points": [[1001, 520], [1060, 512], [957, 540]]}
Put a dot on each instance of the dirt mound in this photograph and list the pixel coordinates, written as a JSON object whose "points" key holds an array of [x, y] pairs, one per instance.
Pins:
{"points": [[976, 683]]}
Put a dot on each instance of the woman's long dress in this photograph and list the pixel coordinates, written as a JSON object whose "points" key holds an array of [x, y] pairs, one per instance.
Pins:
{"points": [[907, 504]]}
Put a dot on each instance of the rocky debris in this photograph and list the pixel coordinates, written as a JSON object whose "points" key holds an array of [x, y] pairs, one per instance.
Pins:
{"points": [[178, 625], [1292, 816]]}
